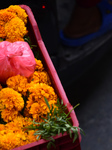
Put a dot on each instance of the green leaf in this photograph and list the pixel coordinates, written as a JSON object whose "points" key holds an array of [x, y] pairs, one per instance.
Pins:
{"points": [[47, 102], [61, 102], [70, 133], [51, 110], [75, 137], [53, 134], [55, 122], [58, 131], [50, 144], [72, 109], [67, 125], [38, 137], [81, 131], [55, 111], [1, 39]]}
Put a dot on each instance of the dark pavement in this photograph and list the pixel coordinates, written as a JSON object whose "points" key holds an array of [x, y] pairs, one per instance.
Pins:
{"points": [[93, 90]]}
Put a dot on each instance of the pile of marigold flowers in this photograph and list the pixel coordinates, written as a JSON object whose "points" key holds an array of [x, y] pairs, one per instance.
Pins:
{"points": [[21, 101], [13, 22]]}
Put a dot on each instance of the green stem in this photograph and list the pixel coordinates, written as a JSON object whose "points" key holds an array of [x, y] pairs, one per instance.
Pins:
{"points": [[72, 109]]}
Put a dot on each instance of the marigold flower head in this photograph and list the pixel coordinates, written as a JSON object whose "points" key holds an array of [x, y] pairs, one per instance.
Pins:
{"points": [[2, 29], [13, 134], [39, 91], [8, 115], [36, 102], [16, 9], [11, 99], [14, 39], [31, 136], [39, 65], [9, 141], [18, 83], [6, 16], [15, 28], [35, 110], [40, 77], [18, 123], [2, 127], [1, 107]]}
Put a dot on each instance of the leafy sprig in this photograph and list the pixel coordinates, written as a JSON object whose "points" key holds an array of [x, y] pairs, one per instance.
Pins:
{"points": [[57, 122], [28, 40], [32, 46]]}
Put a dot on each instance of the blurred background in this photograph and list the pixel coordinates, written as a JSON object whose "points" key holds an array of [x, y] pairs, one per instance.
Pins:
{"points": [[85, 71]]}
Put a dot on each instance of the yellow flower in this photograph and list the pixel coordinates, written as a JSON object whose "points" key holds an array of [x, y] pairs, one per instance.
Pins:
{"points": [[18, 123], [15, 29], [12, 23], [6, 16], [1, 107], [8, 115], [14, 39], [39, 65], [11, 99], [36, 104], [2, 127], [31, 137], [40, 77], [2, 29], [16, 9], [18, 83], [39, 91], [43, 90], [9, 141], [13, 134], [35, 110]]}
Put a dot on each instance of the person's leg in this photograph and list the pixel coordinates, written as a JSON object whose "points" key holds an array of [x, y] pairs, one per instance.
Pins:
{"points": [[84, 20]]}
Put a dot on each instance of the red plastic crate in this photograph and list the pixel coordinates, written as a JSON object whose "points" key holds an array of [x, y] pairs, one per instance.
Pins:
{"points": [[62, 142]]}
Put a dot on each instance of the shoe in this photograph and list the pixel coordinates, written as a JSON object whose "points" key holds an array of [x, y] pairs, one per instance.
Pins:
{"points": [[106, 12]]}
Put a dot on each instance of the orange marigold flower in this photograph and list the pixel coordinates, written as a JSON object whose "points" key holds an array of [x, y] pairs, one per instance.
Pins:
{"points": [[9, 114], [40, 77], [15, 39], [36, 103], [16, 9], [11, 140], [2, 127], [39, 91], [6, 16], [11, 99], [13, 134], [15, 28], [1, 106], [27, 109], [31, 136], [18, 123], [35, 110], [39, 65], [2, 29], [18, 83]]}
